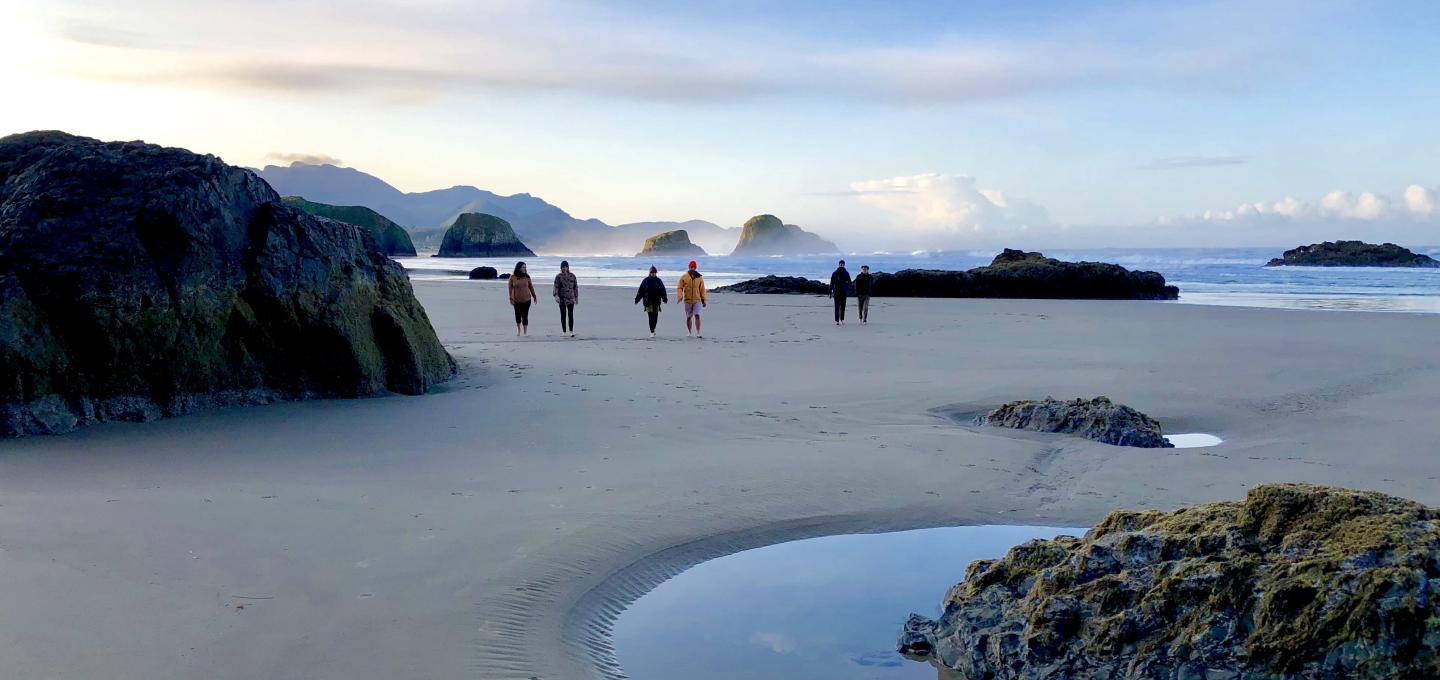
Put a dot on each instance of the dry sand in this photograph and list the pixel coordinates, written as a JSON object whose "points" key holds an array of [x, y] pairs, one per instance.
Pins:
{"points": [[491, 529]]}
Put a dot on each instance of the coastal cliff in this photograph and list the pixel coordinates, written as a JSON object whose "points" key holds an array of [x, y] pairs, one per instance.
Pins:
{"points": [[767, 235]]}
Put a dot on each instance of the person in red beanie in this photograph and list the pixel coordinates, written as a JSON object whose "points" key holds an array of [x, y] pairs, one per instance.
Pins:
{"points": [[691, 294]]}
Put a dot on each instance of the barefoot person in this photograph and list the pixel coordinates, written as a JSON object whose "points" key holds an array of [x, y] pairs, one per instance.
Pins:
{"points": [[691, 293], [863, 284], [652, 293], [567, 295], [839, 289], [522, 293]]}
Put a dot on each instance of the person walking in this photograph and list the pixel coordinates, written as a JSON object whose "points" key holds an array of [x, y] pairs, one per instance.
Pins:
{"points": [[567, 295], [691, 294], [839, 290], [863, 285], [652, 293], [522, 293]]}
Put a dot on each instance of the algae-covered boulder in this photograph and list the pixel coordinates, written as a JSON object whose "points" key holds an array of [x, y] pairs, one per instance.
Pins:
{"points": [[778, 285], [482, 235], [1296, 581], [1019, 274], [484, 273], [1099, 419], [1352, 254], [675, 242], [138, 281], [392, 237], [767, 235]]}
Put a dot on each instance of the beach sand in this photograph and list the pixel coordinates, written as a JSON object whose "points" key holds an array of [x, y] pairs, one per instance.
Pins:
{"points": [[490, 530]]}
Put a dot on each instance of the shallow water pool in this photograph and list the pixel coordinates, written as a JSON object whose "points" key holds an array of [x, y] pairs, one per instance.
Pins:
{"points": [[825, 608]]}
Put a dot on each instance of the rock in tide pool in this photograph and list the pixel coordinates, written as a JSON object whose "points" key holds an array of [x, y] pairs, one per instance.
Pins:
{"points": [[1099, 419], [779, 285], [1296, 581], [484, 273], [1018, 274], [1352, 254], [138, 281], [482, 235]]}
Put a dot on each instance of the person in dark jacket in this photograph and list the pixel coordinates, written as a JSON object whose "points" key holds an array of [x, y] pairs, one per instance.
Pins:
{"points": [[652, 293], [863, 284], [567, 295], [839, 290]]}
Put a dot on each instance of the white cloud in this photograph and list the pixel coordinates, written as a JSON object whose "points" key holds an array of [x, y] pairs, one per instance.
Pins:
{"points": [[780, 643], [945, 211], [303, 158], [1417, 203]]}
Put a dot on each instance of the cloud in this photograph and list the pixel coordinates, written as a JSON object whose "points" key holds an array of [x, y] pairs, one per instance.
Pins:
{"points": [[1412, 219], [780, 643], [1417, 203], [948, 211], [1179, 162], [303, 158]]}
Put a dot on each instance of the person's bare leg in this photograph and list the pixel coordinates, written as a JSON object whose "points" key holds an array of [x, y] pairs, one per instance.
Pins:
{"points": [[697, 326]]}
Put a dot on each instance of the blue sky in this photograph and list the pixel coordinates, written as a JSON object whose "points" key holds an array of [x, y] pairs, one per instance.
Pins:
{"points": [[884, 125]]}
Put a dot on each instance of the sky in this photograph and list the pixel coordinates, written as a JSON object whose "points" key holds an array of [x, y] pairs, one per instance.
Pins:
{"points": [[881, 125]]}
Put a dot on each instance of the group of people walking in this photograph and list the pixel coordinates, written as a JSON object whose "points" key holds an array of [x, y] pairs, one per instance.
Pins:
{"points": [[690, 292]]}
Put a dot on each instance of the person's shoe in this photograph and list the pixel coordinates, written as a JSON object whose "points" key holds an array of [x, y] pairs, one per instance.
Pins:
{"points": [[652, 335]]}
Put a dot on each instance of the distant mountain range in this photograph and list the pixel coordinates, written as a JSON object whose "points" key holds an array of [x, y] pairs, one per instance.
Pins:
{"points": [[543, 227]]}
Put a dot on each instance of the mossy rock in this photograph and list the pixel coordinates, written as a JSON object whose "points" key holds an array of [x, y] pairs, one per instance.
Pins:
{"points": [[482, 235], [675, 243], [391, 237], [767, 235]]}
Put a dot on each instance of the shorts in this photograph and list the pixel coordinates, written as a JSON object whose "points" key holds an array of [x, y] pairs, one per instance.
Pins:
{"points": [[692, 309]]}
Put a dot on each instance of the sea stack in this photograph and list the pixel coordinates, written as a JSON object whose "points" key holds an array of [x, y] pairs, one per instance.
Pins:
{"points": [[767, 235], [393, 238], [482, 235], [1020, 274], [676, 243], [138, 281], [1352, 254]]}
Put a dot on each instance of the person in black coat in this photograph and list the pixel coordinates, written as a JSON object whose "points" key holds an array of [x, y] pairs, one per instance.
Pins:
{"points": [[839, 290], [863, 285], [652, 292]]}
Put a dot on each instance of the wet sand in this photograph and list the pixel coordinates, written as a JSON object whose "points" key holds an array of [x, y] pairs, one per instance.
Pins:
{"points": [[490, 530]]}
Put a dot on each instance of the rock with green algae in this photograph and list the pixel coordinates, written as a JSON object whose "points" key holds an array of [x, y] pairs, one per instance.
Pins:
{"points": [[392, 237], [766, 235], [1099, 419], [1352, 254], [482, 235], [1296, 581], [138, 281], [674, 242]]}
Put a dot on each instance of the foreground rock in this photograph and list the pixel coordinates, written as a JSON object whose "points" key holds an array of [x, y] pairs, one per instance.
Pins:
{"points": [[1018, 274], [1297, 581], [481, 235], [392, 237], [676, 242], [779, 285], [1099, 419], [1352, 254], [484, 273], [138, 281], [767, 235]]}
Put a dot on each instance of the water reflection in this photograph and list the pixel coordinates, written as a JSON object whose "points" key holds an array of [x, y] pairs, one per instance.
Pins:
{"points": [[824, 608]]}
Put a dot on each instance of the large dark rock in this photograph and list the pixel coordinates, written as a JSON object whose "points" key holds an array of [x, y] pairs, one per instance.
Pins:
{"points": [[484, 273], [1352, 254], [392, 238], [1099, 419], [675, 242], [481, 235], [1018, 274], [767, 235], [1297, 581], [779, 285], [138, 281]]}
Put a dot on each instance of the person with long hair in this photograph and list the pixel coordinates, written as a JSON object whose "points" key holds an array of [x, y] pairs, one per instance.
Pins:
{"points": [[522, 293], [567, 295], [652, 293]]}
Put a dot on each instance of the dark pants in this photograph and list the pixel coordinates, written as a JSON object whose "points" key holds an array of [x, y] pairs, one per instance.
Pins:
{"points": [[864, 302], [567, 317], [522, 313], [839, 308], [654, 319]]}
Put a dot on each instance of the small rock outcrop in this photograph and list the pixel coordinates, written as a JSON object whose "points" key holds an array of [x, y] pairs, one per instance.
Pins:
{"points": [[1352, 254], [779, 285], [393, 238], [1018, 274], [1099, 419], [676, 242], [484, 273], [1296, 581], [481, 235], [767, 235], [138, 281]]}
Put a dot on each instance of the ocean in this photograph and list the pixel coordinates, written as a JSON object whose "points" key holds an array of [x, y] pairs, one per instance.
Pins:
{"points": [[1210, 276]]}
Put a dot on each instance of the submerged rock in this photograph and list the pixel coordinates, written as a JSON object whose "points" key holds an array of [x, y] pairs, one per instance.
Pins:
{"points": [[767, 235], [1099, 419], [484, 273], [138, 281], [482, 235], [676, 242], [392, 238], [1352, 254], [1018, 274], [779, 285], [1297, 581]]}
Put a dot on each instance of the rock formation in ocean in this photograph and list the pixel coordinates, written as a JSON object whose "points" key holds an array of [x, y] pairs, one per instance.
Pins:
{"points": [[1099, 419], [767, 235], [1352, 254], [675, 242], [138, 281], [1018, 274], [1296, 581], [393, 238], [484, 273], [481, 235], [779, 285]]}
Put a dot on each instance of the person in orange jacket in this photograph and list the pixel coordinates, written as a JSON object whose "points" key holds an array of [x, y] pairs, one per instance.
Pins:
{"points": [[691, 294]]}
